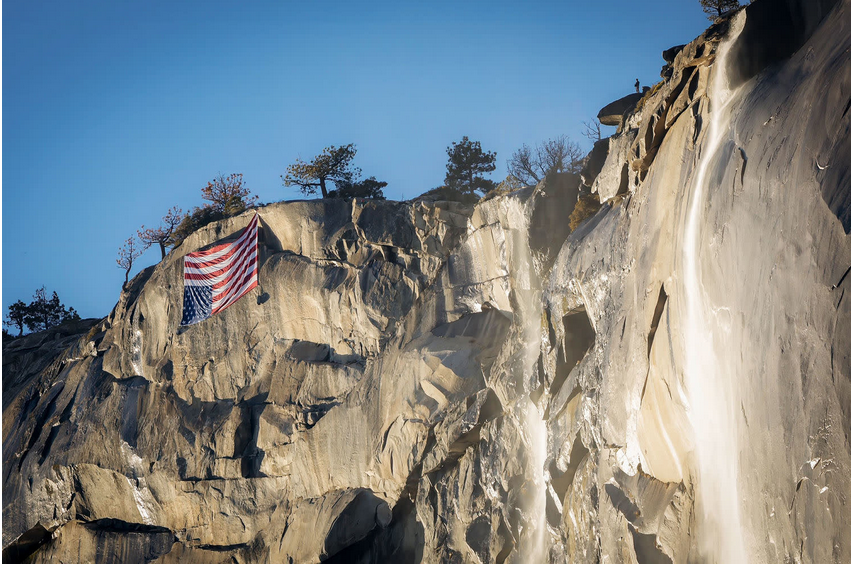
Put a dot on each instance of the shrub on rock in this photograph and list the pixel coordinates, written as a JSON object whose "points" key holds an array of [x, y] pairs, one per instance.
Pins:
{"points": [[586, 207]]}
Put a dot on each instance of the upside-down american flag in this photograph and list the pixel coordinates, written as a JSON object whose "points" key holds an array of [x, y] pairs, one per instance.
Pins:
{"points": [[216, 278]]}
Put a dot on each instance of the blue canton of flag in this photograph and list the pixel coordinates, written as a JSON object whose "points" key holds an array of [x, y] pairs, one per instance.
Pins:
{"points": [[198, 303]]}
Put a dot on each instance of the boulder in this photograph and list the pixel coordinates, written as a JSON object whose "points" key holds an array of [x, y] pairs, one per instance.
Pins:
{"points": [[669, 54], [612, 113]]}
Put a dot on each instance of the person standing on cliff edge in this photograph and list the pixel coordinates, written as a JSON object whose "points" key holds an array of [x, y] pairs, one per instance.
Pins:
{"points": [[637, 86]]}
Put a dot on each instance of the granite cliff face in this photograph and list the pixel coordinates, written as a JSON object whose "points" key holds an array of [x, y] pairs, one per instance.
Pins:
{"points": [[436, 382]]}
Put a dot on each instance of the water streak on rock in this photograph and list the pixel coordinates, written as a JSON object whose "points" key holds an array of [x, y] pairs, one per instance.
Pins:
{"points": [[711, 389]]}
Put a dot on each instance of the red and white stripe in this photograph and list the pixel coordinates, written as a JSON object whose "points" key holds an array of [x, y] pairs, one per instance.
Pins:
{"points": [[231, 269]]}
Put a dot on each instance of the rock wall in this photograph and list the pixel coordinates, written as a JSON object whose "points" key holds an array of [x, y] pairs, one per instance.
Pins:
{"points": [[436, 382]]}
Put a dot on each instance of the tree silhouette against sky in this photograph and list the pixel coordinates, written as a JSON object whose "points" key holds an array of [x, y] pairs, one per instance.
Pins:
{"points": [[466, 164]]}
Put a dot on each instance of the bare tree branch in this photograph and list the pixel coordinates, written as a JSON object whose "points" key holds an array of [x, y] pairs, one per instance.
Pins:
{"points": [[560, 154], [523, 165], [127, 254], [592, 129], [162, 234]]}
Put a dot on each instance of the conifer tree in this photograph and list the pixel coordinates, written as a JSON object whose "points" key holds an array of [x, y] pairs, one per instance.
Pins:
{"points": [[17, 316], [466, 163], [40, 314], [332, 165], [367, 188], [716, 8]]}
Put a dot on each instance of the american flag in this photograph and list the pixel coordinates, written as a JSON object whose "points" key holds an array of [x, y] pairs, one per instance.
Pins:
{"points": [[216, 278]]}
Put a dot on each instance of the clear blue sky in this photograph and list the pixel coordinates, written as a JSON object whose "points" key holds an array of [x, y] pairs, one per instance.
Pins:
{"points": [[115, 111]]}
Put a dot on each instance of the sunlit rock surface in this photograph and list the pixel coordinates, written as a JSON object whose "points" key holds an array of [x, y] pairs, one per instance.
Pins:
{"points": [[436, 382]]}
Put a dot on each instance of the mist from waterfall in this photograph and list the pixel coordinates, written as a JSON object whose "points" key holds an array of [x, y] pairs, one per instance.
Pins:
{"points": [[712, 389], [527, 289]]}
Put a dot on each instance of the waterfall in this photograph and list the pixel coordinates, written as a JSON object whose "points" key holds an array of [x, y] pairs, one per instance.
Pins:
{"points": [[527, 289], [711, 389], [136, 345]]}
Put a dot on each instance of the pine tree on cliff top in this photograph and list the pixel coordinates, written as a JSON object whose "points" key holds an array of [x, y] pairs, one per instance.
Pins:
{"points": [[334, 164], [40, 314], [466, 164], [716, 8]]}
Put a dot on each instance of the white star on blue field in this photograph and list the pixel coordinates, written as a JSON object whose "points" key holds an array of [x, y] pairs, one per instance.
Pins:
{"points": [[198, 303]]}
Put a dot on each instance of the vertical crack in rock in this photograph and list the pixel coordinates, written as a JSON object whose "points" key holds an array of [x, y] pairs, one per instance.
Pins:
{"points": [[623, 180], [133, 390], [743, 159], [841, 280], [656, 317]]}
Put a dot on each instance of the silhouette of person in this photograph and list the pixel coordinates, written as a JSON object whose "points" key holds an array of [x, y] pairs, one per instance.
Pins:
{"points": [[637, 85]]}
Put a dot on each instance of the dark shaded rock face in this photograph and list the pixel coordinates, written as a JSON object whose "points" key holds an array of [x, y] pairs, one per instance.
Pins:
{"points": [[595, 161], [25, 357], [438, 382], [551, 205], [669, 54]]}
